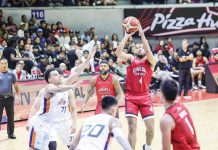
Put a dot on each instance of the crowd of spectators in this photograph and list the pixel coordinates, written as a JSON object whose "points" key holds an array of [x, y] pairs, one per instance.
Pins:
{"points": [[31, 48], [55, 3]]}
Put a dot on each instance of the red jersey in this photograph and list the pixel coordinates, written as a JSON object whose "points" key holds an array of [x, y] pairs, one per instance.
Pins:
{"points": [[104, 87], [183, 136], [138, 77], [200, 62]]}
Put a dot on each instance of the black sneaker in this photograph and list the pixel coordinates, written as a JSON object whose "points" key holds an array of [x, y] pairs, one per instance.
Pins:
{"points": [[12, 136]]}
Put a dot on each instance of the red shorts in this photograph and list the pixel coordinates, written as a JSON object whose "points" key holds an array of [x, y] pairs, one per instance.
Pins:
{"points": [[134, 104]]}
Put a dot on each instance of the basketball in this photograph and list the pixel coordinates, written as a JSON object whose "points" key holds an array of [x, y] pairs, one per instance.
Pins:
{"points": [[130, 24]]}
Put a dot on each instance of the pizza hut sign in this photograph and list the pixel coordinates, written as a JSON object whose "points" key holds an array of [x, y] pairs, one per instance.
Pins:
{"points": [[175, 21]]}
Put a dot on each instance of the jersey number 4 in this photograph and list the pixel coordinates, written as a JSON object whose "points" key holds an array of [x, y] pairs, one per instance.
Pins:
{"points": [[140, 80], [92, 130]]}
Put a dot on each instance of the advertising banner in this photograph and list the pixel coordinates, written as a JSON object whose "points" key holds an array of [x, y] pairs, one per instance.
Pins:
{"points": [[158, 22]]}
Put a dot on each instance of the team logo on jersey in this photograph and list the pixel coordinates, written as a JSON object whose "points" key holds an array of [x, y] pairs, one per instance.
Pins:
{"points": [[62, 102], [139, 71], [104, 90]]}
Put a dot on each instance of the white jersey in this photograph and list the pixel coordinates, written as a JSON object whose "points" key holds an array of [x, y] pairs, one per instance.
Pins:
{"points": [[62, 108], [48, 107], [95, 133]]}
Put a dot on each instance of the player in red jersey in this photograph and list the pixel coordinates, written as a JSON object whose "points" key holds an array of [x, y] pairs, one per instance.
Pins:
{"points": [[105, 84], [176, 124], [138, 77], [198, 69]]}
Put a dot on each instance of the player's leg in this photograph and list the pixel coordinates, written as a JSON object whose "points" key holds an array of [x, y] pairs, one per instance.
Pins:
{"points": [[52, 145], [132, 124], [52, 139], [147, 113], [200, 79], [38, 134], [131, 115]]}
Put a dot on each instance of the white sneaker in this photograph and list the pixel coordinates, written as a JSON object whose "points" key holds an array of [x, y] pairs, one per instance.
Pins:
{"points": [[194, 87], [146, 147], [202, 87]]}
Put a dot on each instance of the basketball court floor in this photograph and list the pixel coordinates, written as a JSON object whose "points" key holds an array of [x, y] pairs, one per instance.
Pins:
{"points": [[203, 108]]}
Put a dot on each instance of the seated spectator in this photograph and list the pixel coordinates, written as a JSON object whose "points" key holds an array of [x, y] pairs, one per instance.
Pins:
{"points": [[91, 64], [160, 46], [198, 69], [63, 67], [43, 62], [120, 69], [112, 65], [77, 63], [20, 45], [174, 64], [170, 44], [19, 73], [214, 59], [161, 69], [29, 64], [60, 59], [86, 35], [11, 27], [50, 53], [115, 40], [20, 32]]}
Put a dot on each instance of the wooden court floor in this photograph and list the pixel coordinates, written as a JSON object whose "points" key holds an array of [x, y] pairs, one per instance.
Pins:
{"points": [[204, 114]]}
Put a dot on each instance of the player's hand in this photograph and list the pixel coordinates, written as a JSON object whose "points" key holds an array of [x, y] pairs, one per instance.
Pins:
{"points": [[128, 35], [140, 29]]}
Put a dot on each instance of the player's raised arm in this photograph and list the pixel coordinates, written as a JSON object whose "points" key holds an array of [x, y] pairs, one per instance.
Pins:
{"points": [[52, 89], [74, 75], [146, 46], [120, 53], [115, 127]]}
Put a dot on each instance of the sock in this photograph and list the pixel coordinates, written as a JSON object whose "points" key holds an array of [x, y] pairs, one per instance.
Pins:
{"points": [[199, 82], [193, 83]]}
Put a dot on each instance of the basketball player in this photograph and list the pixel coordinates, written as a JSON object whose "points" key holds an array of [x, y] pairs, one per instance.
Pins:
{"points": [[176, 124], [198, 69], [97, 130], [40, 124], [104, 84], [62, 113], [139, 73]]}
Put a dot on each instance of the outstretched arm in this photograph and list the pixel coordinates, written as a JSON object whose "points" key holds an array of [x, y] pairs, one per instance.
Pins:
{"points": [[120, 53], [89, 93], [115, 128], [74, 75], [146, 46]]}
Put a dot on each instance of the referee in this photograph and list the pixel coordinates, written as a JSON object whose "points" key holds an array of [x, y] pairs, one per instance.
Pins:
{"points": [[185, 63], [6, 95]]}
